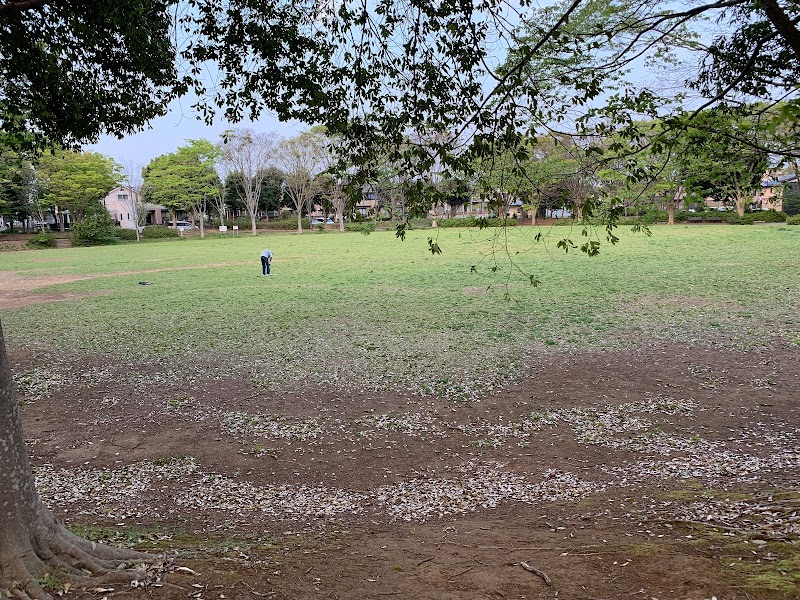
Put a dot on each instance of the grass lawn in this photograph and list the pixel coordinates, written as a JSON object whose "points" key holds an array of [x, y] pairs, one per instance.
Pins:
{"points": [[374, 312]]}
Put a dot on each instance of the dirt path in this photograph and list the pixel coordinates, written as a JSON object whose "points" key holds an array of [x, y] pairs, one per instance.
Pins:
{"points": [[663, 472]]}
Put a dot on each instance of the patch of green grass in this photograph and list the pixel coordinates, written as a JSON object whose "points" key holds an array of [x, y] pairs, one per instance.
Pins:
{"points": [[179, 401], [769, 568], [169, 460], [124, 536], [160, 539], [53, 581], [781, 576], [697, 493], [396, 316], [773, 581]]}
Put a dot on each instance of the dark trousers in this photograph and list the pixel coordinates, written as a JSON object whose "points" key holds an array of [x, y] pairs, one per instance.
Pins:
{"points": [[264, 265]]}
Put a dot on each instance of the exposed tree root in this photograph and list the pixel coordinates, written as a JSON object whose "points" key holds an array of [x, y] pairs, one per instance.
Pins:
{"points": [[56, 557]]}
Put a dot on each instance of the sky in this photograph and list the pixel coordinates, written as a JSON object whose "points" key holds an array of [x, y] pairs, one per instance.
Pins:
{"points": [[166, 133]]}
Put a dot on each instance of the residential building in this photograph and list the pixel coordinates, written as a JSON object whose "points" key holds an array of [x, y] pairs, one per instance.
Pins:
{"points": [[770, 196], [119, 203]]}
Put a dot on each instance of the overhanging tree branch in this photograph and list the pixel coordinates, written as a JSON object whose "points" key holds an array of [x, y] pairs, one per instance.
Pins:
{"points": [[783, 24], [9, 8]]}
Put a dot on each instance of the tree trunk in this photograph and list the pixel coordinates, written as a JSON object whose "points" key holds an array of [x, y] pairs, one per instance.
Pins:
{"points": [[671, 211], [253, 222], [739, 200], [174, 219], [299, 221], [32, 542]]}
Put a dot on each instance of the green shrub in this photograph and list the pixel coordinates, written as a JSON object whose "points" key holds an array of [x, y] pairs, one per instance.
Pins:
{"points": [[734, 219], [289, 224], [683, 216], [420, 223], [159, 231], [793, 220], [465, 222], [654, 215], [125, 234], [96, 229], [365, 227], [766, 216], [635, 215], [241, 222], [476, 222], [771, 216], [42, 240]]}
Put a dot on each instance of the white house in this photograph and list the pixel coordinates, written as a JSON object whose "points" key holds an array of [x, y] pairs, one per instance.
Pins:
{"points": [[120, 202]]}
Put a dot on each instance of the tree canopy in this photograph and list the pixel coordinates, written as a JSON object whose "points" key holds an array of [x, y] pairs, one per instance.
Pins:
{"points": [[76, 180], [75, 70], [183, 180]]}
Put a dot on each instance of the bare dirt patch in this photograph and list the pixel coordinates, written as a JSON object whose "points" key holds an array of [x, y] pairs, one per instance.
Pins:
{"points": [[19, 292], [658, 472]]}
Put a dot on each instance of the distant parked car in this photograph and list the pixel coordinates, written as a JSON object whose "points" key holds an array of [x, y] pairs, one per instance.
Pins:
{"points": [[182, 225], [322, 222]]}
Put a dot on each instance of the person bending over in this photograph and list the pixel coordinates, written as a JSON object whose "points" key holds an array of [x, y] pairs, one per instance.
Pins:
{"points": [[266, 260]]}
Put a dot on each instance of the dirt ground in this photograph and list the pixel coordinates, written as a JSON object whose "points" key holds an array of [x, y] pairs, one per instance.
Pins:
{"points": [[657, 473]]}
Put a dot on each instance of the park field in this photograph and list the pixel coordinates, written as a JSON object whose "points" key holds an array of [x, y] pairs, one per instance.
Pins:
{"points": [[375, 420]]}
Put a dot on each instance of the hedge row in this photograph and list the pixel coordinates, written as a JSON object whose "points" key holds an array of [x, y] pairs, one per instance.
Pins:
{"points": [[158, 231], [476, 222], [766, 216], [660, 216]]}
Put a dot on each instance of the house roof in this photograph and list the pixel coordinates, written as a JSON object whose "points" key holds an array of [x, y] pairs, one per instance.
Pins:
{"points": [[780, 180], [122, 188]]}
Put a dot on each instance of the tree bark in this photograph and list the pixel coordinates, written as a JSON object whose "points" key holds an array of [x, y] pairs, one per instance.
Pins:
{"points": [[32, 542], [783, 24], [739, 200], [253, 222]]}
